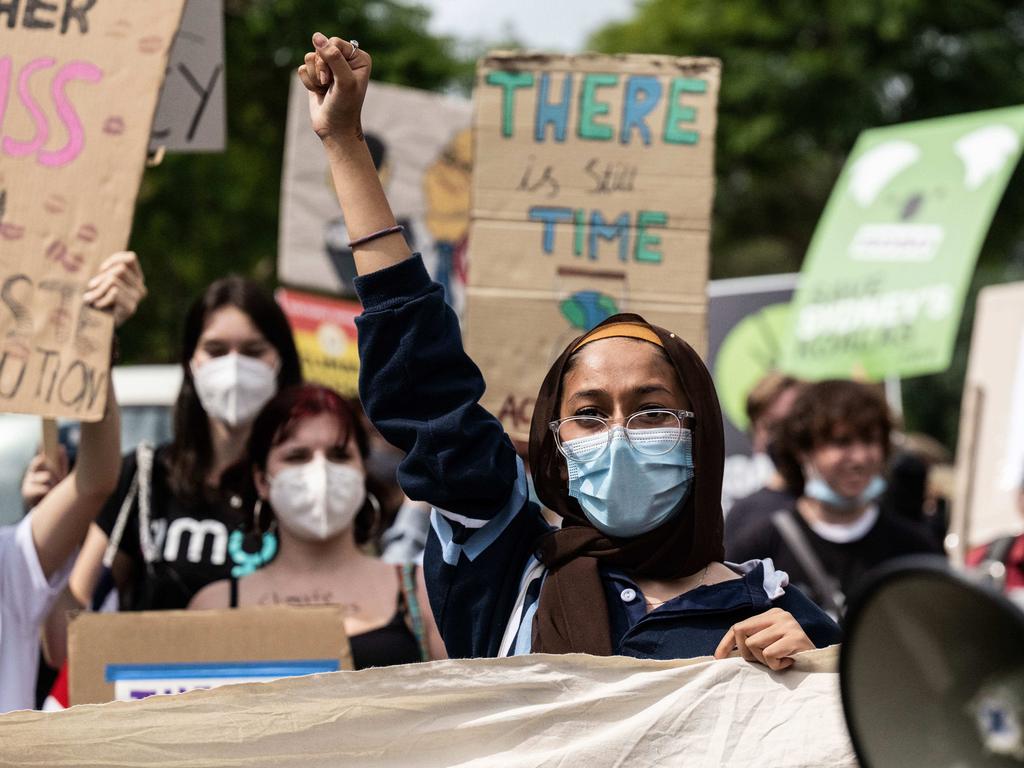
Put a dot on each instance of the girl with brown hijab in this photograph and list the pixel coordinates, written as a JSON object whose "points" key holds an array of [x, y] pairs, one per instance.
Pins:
{"points": [[626, 445]]}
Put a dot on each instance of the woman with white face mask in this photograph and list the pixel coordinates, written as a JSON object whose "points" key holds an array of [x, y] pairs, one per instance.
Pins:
{"points": [[307, 451], [167, 530]]}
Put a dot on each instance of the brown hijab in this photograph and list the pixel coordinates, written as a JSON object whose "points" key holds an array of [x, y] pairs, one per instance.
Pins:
{"points": [[572, 616]]}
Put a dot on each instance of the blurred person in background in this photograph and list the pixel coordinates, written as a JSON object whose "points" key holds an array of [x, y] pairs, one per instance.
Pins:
{"points": [[914, 467], [768, 405], [165, 533], [832, 451], [307, 475], [37, 554]]}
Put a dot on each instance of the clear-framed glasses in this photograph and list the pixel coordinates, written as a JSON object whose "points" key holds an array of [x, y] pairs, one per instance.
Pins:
{"points": [[652, 433]]}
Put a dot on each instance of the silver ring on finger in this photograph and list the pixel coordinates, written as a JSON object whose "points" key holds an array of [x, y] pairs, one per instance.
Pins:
{"points": [[355, 49]]}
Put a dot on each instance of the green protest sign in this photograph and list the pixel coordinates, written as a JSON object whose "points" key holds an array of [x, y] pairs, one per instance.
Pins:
{"points": [[884, 281]]}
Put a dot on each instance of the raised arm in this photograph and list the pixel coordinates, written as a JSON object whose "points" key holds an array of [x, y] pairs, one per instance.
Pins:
{"points": [[336, 75], [418, 386], [62, 518]]}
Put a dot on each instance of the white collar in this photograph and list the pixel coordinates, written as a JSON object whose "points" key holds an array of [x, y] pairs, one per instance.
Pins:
{"points": [[844, 533]]}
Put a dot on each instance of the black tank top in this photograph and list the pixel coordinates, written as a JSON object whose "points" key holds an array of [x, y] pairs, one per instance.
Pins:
{"points": [[394, 643]]}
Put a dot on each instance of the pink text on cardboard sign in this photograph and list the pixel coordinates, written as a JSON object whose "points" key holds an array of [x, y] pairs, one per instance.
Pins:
{"points": [[16, 91]]}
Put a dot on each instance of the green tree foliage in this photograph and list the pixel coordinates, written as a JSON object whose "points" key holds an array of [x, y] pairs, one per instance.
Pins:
{"points": [[801, 79], [200, 217]]}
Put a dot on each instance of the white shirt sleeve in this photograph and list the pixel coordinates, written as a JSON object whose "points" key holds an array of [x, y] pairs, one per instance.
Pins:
{"points": [[26, 595]]}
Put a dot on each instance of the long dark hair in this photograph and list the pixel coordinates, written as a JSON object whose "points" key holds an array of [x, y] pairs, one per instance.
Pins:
{"points": [[191, 452], [277, 421]]}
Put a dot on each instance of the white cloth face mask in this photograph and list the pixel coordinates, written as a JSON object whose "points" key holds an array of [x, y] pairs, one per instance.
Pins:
{"points": [[317, 500], [234, 387]]}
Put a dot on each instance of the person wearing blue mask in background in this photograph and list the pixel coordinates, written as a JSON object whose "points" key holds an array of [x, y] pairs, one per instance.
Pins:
{"points": [[626, 445], [832, 450]]}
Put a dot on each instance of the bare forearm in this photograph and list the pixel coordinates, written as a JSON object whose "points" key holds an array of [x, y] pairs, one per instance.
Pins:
{"points": [[61, 520], [99, 454], [363, 204], [55, 630]]}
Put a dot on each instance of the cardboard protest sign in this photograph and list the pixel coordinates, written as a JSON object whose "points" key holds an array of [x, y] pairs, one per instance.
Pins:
{"points": [[884, 281], [78, 85], [325, 336], [420, 142], [137, 653], [748, 318], [592, 192], [539, 711], [990, 452], [191, 113]]}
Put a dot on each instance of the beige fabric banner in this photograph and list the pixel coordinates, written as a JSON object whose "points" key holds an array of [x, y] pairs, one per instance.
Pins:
{"points": [[524, 712]]}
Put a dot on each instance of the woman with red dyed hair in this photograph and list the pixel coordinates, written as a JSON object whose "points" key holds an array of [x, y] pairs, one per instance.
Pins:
{"points": [[308, 481]]}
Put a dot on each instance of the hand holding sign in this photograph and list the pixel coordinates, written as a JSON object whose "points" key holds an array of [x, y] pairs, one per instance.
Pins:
{"points": [[41, 477], [119, 286], [336, 75]]}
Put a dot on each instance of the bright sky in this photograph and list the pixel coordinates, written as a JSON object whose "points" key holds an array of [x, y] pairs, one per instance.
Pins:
{"points": [[557, 25]]}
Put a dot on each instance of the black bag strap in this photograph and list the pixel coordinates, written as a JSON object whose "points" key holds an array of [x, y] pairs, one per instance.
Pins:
{"points": [[827, 589]]}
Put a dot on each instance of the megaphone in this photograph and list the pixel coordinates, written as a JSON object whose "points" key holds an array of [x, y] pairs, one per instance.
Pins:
{"points": [[932, 670]]}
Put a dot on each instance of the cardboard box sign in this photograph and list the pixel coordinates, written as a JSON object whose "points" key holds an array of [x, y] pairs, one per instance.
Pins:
{"points": [[78, 86], [592, 191], [541, 333], [990, 452], [115, 656]]}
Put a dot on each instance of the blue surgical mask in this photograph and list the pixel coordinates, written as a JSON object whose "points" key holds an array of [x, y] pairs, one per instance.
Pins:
{"points": [[624, 492], [816, 488]]}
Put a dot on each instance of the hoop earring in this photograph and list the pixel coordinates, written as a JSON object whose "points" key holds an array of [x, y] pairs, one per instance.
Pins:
{"points": [[378, 515], [248, 562]]}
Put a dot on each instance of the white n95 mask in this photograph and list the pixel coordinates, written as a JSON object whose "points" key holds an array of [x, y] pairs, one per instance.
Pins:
{"points": [[234, 387], [318, 500]]}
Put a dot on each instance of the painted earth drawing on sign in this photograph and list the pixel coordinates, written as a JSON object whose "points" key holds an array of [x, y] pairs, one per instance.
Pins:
{"points": [[585, 309]]}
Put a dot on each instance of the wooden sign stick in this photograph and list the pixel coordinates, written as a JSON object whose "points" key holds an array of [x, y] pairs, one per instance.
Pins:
{"points": [[51, 441]]}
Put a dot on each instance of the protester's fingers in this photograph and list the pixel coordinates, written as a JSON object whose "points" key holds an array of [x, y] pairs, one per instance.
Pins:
{"points": [[103, 288], [127, 259], [304, 77], [748, 653], [357, 58], [121, 268], [779, 655], [37, 464], [333, 55], [323, 73], [309, 66], [726, 646], [119, 297], [43, 478], [307, 80], [765, 637]]}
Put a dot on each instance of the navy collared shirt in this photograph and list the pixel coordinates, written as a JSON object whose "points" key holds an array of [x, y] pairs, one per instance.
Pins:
{"points": [[421, 391]]}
